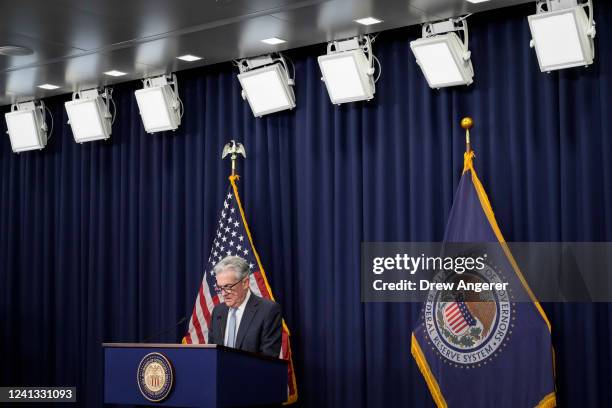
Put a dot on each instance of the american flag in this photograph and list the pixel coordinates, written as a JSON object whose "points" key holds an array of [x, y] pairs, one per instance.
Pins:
{"points": [[232, 237], [457, 316]]}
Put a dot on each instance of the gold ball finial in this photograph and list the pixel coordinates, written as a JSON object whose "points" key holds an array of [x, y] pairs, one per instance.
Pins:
{"points": [[467, 123]]}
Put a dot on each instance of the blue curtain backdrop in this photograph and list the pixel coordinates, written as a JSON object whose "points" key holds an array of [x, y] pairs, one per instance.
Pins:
{"points": [[105, 241]]}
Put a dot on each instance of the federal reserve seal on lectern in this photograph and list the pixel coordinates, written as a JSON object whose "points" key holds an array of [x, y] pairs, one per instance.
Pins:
{"points": [[155, 377]]}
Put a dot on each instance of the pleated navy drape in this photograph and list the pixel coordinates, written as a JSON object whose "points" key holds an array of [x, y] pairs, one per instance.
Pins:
{"points": [[105, 241]]}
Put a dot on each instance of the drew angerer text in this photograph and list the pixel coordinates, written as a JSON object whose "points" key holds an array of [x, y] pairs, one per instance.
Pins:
{"points": [[423, 284]]}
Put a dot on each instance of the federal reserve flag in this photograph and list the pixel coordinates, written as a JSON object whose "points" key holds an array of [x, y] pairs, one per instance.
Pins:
{"points": [[233, 237], [487, 349]]}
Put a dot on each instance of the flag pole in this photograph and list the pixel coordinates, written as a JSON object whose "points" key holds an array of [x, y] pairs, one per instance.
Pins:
{"points": [[234, 149], [467, 123]]}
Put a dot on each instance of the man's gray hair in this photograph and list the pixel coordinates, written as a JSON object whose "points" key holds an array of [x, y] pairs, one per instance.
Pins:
{"points": [[235, 263]]}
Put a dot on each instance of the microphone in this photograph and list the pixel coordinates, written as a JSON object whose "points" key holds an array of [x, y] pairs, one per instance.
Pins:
{"points": [[166, 330]]}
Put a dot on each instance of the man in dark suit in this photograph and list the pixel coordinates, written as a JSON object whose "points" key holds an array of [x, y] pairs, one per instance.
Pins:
{"points": [[243, 320]]}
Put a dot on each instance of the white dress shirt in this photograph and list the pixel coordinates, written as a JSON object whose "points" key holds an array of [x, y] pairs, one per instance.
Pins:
{"points": [[239, 314]]}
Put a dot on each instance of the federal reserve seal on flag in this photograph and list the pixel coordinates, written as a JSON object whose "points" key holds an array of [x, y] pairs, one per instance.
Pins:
{"points": [[467, 328], [155, 377]]}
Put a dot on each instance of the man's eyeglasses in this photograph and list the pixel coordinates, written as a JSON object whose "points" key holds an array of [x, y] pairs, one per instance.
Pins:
{"points": [[226, 288]]}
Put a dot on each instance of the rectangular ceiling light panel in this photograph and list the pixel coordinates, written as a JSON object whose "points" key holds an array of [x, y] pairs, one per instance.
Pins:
{"points": [[88, 119], [158, 108], [25, 128], [346, 76], [267, 89], [560, 39], [442, 61]]}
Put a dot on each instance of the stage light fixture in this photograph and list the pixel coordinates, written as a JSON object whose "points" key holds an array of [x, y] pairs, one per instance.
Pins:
{"points": [[562, 34], [348, 70], [442, 55], [266, 84], [89, 114], [27, 127], [159, 104]]}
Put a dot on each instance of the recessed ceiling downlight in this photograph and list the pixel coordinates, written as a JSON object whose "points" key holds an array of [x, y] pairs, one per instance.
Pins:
{"points": [[15, 51]]}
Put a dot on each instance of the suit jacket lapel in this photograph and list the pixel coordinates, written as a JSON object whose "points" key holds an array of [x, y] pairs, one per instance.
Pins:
{"points": [[247, 317]]}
